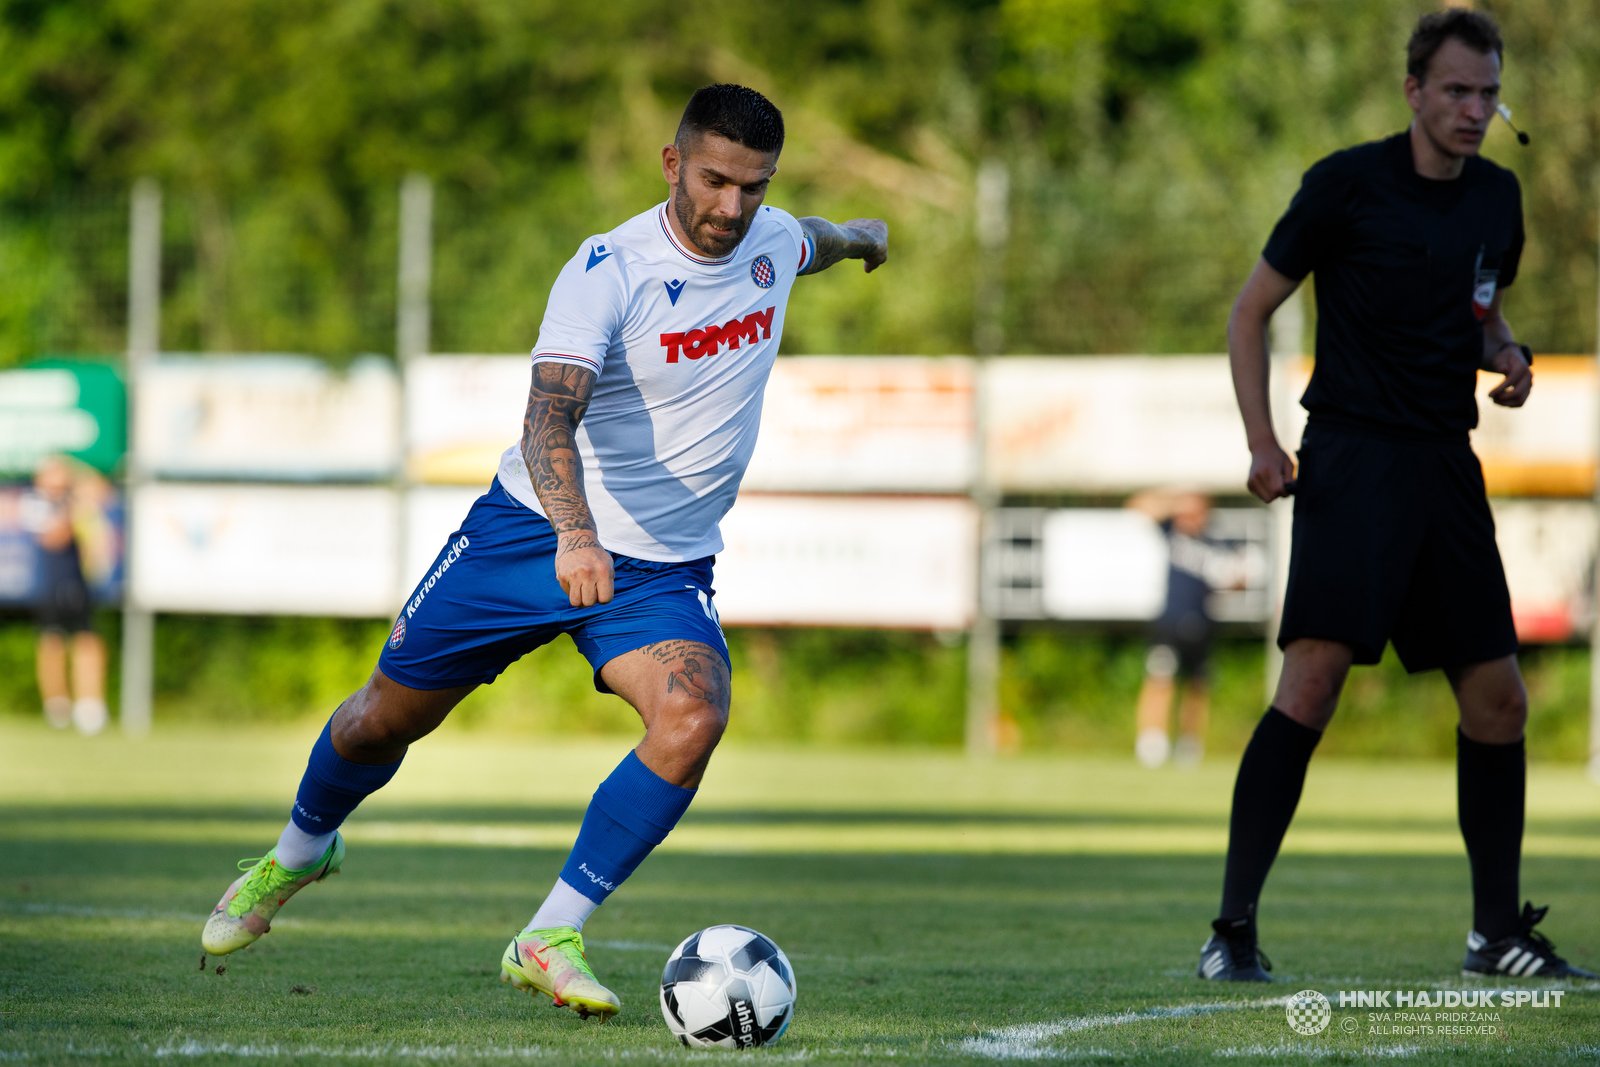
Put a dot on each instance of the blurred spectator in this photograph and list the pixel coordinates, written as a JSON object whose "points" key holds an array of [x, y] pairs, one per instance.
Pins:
{"points": [[62, 498], [1180, 637]]}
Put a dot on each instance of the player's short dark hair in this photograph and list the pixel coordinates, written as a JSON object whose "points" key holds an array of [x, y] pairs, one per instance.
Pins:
{"points": [[741, 115], [1474, 29]]}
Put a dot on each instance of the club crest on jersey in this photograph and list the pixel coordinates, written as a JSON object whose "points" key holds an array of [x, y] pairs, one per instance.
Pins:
{"points": [[761, 272], [674, 290], [397, 636], [1483, 292], [1483, 287], [754, 327]]}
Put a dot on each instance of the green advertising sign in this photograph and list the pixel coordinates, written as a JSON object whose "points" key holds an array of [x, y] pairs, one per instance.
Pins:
{"points": [[72, 406]]}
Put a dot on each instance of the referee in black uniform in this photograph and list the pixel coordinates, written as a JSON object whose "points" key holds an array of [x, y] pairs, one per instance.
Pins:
{"points": [[1413, 240]]}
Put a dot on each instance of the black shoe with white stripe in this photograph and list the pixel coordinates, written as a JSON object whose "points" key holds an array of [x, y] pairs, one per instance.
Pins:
{"points": [[1231, 954], [1523, 954]]}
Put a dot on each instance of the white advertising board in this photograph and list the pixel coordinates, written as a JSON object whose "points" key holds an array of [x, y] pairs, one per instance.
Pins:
{"points": [[1548, 548], [267, 417], [849, 561], [1547, 447], [857, 424], [1113, 424], [433, 513], [1103, 563], [1110, 564], [461, 414], [829, 424], [268, 550]]}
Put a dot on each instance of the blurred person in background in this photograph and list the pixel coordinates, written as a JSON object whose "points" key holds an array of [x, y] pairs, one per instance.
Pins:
{"points": [[62, 606], [1180, 637]]}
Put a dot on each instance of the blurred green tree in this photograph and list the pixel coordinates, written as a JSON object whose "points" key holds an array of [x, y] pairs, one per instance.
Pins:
{"points": [[1152, 143]]}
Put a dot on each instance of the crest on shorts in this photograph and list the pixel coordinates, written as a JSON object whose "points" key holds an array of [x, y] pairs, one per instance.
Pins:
{"points": [[397, 636], [761, 272]]}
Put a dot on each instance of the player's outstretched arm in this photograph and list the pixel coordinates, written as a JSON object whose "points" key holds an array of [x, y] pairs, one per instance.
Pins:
{"points": [[864, 239], [557, 400]]}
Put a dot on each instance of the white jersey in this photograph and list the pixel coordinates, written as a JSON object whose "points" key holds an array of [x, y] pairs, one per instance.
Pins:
{"points": [[682, 346]]}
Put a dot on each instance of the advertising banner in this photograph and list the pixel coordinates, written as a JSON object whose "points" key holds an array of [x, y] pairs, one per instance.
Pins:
{"points": [[1113, 424], [1548, 548], [71, 407], [267, 550], [849, 561], [461, 413], [858, 424], [283, 418]]}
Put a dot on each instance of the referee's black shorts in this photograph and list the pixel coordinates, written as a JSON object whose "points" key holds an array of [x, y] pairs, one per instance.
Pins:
{"points": [[1394, 541]]}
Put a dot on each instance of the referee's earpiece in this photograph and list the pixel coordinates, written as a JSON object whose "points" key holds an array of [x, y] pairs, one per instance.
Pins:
{"points": [[1505, 113]]}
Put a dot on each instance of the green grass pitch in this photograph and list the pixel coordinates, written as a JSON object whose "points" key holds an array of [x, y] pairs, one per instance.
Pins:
{"points": [[935, 910]]}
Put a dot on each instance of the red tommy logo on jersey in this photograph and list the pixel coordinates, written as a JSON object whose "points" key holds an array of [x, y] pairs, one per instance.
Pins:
{"points": [[753, 327]]}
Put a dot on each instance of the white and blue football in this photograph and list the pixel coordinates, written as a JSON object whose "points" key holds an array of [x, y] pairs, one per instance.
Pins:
{"points": [[727, 987]]}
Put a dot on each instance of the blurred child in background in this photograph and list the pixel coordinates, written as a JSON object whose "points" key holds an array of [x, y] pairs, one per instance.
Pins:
{"points": [[1180, 637], [61, 501]]}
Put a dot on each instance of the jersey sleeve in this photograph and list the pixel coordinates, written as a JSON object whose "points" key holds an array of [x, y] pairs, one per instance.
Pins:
{"points": [[585, 310], [1513, 256], [805, 247], [1312, 226]]}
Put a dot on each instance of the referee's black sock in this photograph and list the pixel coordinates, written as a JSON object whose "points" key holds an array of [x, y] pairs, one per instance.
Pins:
{"points": [[1491, 784], [1265, 794]]}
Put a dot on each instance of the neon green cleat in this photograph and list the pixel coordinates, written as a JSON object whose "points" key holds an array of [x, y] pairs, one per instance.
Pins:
{"points": [[552, 962], [245, 911]]}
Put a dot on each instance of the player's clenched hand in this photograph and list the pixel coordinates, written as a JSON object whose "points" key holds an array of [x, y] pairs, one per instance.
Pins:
{"points": [[1270, 469], [1513, 390], [872, 235], [584, 569]]}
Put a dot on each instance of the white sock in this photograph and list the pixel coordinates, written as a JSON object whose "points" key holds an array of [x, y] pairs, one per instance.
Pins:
{"points": [[565, 906], [298, 850]]}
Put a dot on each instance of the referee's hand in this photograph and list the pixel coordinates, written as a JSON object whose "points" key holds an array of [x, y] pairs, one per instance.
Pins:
{"points": [[1270, 470], [1513, 390]]}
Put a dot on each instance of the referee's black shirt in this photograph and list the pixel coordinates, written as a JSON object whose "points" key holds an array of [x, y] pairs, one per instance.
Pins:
{"points": [[1406, 267]]}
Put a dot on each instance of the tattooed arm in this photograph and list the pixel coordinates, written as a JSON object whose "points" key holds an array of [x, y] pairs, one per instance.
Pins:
{"points": [[556, 402], [866, 239]]}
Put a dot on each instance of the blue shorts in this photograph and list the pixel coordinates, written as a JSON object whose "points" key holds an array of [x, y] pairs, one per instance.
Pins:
{"points": [[491, 597]]}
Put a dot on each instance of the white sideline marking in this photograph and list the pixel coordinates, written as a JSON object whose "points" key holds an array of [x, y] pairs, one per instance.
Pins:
{"points": [[1026, 1042]]}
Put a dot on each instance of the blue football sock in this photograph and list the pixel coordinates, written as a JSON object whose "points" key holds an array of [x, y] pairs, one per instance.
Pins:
{"points": [[632, 812], [333, 786]]}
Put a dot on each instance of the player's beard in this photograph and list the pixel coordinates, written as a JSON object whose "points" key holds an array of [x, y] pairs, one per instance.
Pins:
{"points": [[698, 227]]}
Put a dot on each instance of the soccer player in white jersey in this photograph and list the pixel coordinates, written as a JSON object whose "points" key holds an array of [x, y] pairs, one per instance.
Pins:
{"points": [[602, 524]]}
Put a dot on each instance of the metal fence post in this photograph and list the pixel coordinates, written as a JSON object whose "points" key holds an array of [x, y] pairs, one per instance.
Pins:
{"points": [[144, 341], [413, 329], [1594, 629], [992, 222]]}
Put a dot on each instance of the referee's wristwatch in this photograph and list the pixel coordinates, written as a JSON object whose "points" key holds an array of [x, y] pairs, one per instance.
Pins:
{"points": [[1527, 353]]}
